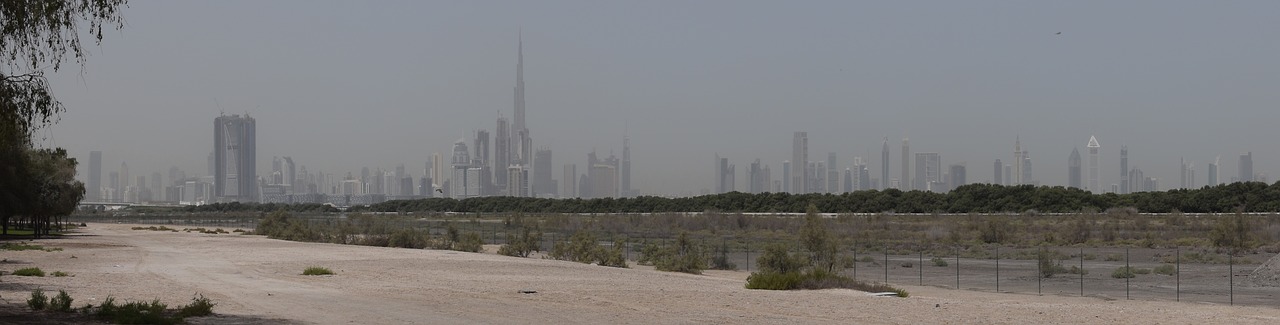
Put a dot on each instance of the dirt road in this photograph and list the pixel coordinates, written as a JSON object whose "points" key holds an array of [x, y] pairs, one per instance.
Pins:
{"points": [[257, 280]]}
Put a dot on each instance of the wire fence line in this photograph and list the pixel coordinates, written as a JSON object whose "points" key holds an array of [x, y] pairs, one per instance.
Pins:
{"points": [[1166, 274]]}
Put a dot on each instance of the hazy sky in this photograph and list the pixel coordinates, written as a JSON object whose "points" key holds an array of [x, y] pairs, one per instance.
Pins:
{"points": [[340, 85]]}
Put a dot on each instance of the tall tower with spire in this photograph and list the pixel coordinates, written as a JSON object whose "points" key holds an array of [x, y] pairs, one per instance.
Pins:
{"points": [[1017, 160], [884, 165], [524, 145], [1093, 165]]}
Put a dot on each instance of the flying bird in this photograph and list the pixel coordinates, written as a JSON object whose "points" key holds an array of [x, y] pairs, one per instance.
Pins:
{"points": [[439, 190], [1059, 33]]}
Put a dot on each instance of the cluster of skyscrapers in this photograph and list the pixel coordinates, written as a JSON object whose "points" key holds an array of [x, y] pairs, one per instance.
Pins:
{"points": [[802, 175]]}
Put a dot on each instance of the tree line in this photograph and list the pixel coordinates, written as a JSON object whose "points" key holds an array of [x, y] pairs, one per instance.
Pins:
{"points": [[973, 198]]}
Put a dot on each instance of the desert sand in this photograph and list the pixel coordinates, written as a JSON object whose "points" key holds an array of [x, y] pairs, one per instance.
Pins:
{"points": [[258, 280]]}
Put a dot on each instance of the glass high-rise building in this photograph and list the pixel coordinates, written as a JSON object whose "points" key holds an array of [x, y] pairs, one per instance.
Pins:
{"points": [[235, 158], [1073, 169], [93, 186]]}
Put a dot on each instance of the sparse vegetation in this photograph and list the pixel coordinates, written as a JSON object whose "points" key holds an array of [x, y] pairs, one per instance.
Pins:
{"points": [[38, 300], [153, 312], [317, 270], [154, 228], [199, 306], [1166, 269], [583, 247], [59, 274], [522, 244], [29, 271], [1123, 272], [61, 302], [819, 269], [939, 262]]}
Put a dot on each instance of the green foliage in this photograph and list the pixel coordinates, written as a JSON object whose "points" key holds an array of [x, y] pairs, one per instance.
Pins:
{"points": [[776, 259], [317, 270], [1231, 232], [59, 274], [409, 238], [135, 312], [29, 271], [61, 302], [682, 256], [815, 280], [520, 245], [1166, 269], [995, 230], [721, 259], [20, 247], [1047, 265], [582, 247], [1123, 272], [38, 300], [199, 306], [939, 262], [470, 242]]}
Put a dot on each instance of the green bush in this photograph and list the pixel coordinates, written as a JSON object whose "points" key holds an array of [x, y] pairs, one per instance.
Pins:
{"points": [[199, 306], [939, 262], [1123, 272], [1047, 266], [20, 247], [1166, 269], [316, 270], [470, 242], [61, 302], [408, 237], [38, 300], [135, 313], [814, 280], [683, 256], [520, 245], [1077, 270], [612, 256], [59, 274], [721, 259], [1141, 271], [774, 280], [30, 271]]}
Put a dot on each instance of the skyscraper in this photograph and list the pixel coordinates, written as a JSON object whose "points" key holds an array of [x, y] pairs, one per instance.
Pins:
{"points": [[1017, 161], [755, 178], [799, 163], [93, 186], [1125, 184], [521, 131], [1183, 173], [1246, 167], [833, 174], [958, 177], [928, 170], [459, 182], [1026, 168], [786, 176], [543, 186], [1093, 146], [481, 160], [884, 164], [626, 167], [235, 158], [1213, 172], [905, 183], [438, 169], [122, 193], [502, 151], [570, 181], [1073, 169], [999, 171]]}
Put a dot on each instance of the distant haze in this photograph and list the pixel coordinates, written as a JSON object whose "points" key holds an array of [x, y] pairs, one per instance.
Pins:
{"points": [[342, 85]]}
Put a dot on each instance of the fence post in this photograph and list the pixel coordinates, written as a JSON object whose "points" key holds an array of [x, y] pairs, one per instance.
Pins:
{"points": [[886, 264], [1128, 271], [957, 268], [1082, 271], [748, 248], [1039, 271], [1177, 274], [1231, 278], [855, 260], [997, 269], [921, 267]]}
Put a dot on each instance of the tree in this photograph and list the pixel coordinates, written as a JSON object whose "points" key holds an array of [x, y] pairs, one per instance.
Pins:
{"points": [[36, 35]]}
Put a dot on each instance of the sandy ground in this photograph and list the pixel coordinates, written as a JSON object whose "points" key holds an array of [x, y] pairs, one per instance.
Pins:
{"points": [[256, 280]]}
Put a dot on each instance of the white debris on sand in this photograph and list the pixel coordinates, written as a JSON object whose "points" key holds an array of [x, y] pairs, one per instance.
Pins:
{"points": [[1266, 275]]}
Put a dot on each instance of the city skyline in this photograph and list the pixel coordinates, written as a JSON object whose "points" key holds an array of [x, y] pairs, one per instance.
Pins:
{"points": [[676, 96]]}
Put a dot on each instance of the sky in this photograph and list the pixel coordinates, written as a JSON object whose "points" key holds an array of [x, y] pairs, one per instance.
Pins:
{"points": [[341, 85]]}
